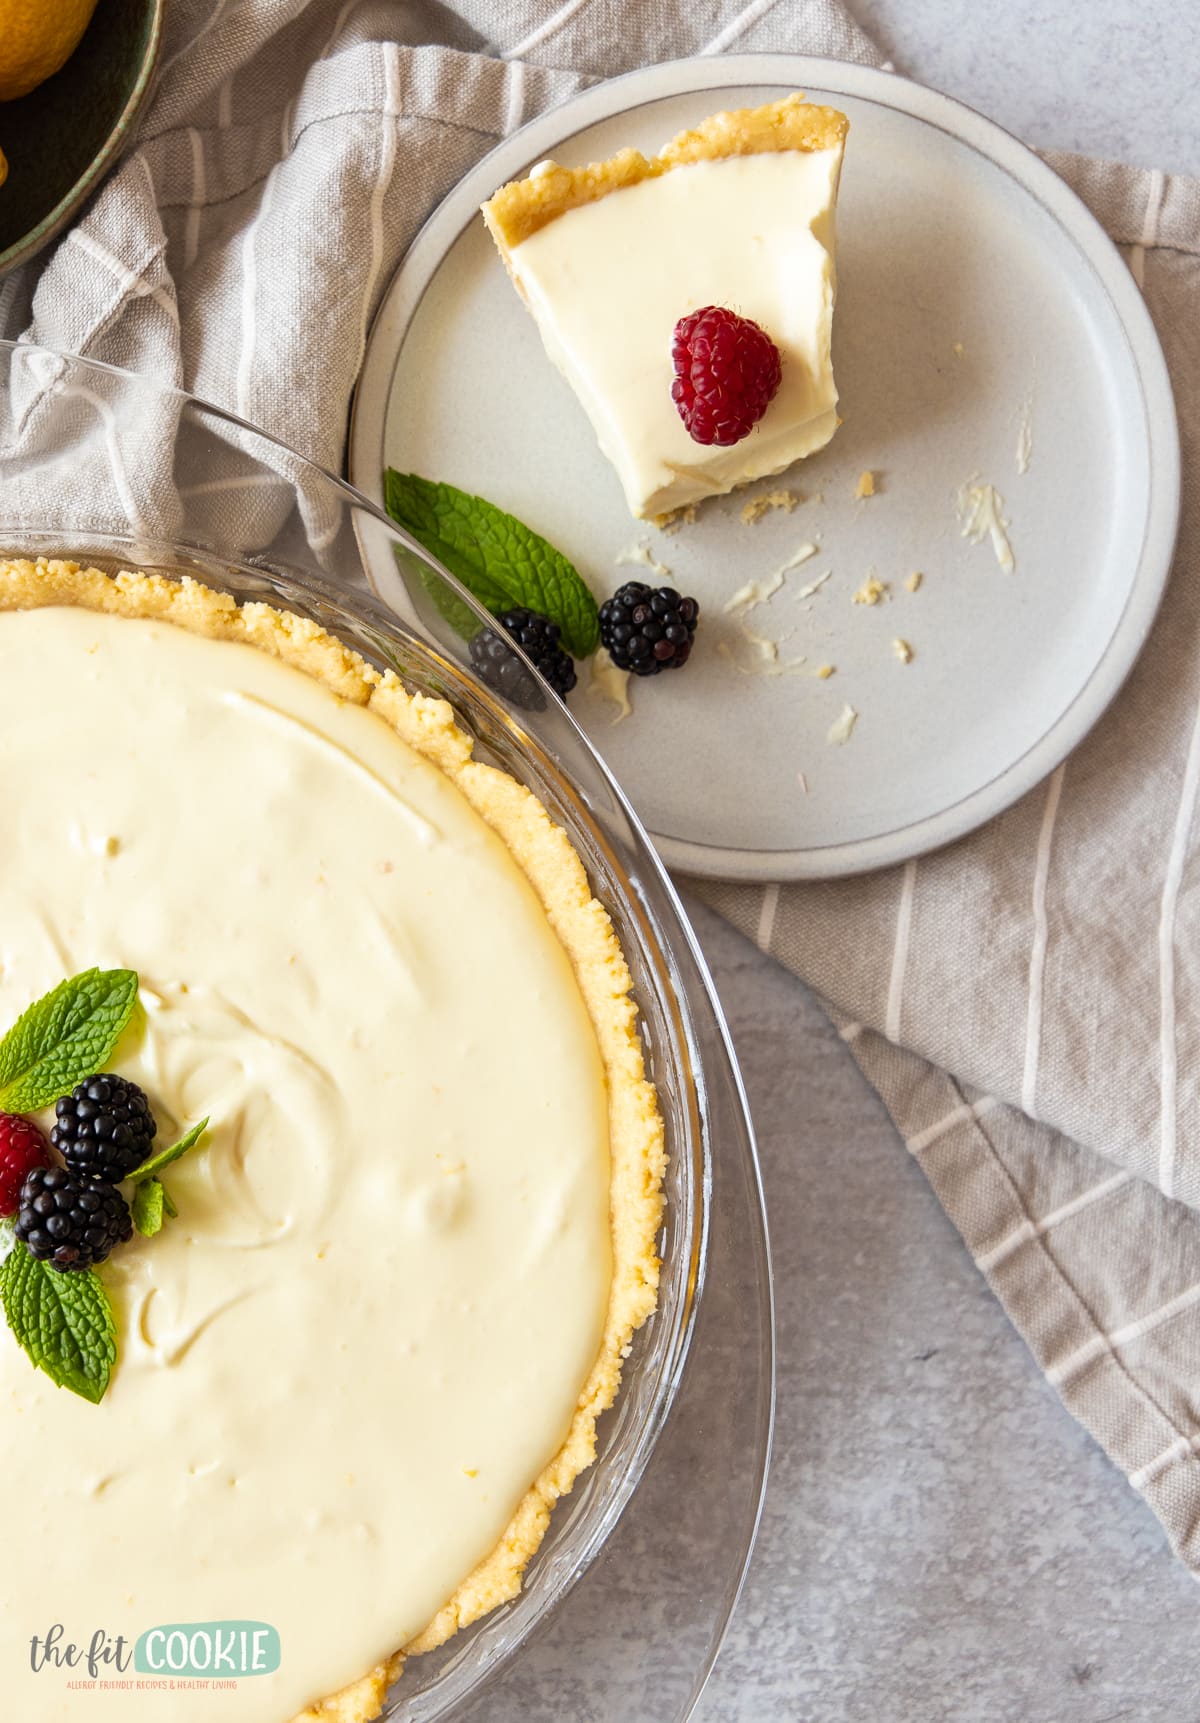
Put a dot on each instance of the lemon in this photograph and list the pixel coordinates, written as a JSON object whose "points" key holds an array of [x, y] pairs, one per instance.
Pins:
{"points": [[36, 38]]}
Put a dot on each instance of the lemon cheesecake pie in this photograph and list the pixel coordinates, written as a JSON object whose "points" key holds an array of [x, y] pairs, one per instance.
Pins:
{"points": [[358, 1368], [619, 262]]}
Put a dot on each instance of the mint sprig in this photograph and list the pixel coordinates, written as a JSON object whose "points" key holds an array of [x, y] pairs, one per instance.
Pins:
{"points": [[64, 1038], [164, 1157], [62, 1320], [148, 1206], [496, 557]]}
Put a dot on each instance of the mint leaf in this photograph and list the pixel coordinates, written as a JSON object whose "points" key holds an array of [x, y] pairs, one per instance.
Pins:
{"points": [[167, 1203], [445, 600], [148, 1202], [62, 1320], [164, 1157], [63, 1038], [502, 561]]}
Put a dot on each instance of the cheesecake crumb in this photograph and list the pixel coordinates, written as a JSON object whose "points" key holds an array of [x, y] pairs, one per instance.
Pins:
{"points": [[1024, 449], [842, 728], [872, 591], [814, 586], [866, 485], [766, 651], [756, 592], [959, 349], [641, 556], [903, 651], [913, 583], [802, 553], [760, 591], [765, 660], [825, 671], [611, 683], [470, 1471], [981, 511], [675, 518], [803, 783], [754, 510]]}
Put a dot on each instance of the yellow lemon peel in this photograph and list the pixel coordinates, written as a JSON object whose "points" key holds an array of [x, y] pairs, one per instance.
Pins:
{"points": [[37, 40]]}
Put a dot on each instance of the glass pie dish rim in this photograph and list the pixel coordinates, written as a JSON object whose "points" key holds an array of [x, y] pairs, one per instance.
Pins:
{"points": [[360, 611]]}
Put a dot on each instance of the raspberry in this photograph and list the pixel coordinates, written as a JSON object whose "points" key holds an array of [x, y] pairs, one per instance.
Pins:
{"points": [[502, 670], [647, 631], [22, 1147], [71, 1222], [104, 1128], [727, 370]]}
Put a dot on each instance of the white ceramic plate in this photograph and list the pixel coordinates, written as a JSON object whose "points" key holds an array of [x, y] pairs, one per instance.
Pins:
{"points": [[986, 331]]}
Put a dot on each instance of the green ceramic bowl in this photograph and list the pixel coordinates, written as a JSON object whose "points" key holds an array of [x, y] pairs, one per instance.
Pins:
{"points": [[63, 138]]}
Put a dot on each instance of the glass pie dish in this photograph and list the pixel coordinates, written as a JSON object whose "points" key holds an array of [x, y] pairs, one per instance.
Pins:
{"points": [[630, 1592]]}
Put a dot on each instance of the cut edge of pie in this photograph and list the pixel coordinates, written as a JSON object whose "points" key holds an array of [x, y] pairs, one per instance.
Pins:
{"points": [[523, 206], [584, 928]]}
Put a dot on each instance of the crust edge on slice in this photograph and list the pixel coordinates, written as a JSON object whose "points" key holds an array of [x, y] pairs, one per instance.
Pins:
{"points": [[550, 862], [523, 206]]}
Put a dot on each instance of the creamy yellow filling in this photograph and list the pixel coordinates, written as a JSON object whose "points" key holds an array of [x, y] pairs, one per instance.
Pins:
{"points": [[608, 281], [367, 1333]]}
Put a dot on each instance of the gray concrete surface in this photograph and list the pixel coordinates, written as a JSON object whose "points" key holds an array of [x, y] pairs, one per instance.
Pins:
{"points": [[942, 1543], [1112, 78]]}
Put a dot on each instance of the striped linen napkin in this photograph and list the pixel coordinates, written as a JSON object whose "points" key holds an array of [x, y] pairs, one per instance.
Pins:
{"points": [[1027, 1002]]}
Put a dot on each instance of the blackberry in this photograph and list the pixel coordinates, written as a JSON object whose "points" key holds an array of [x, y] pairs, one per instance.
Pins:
{"points": [[104, 1129], [502, 670], [647, 630], [69, 1221]]}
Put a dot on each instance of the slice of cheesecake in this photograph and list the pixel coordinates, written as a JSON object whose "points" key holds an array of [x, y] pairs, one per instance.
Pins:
{"points": [[737, 214]]}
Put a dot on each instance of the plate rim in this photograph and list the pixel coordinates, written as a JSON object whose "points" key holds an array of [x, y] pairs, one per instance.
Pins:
{"points": [[1160, 436]]}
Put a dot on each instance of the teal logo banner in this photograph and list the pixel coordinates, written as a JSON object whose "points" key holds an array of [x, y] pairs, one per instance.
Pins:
{"points": [[208, 1648]]}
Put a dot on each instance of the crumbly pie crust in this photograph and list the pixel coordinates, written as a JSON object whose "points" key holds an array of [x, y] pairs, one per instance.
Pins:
{"points": [[549, 861], [523, 206]]}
